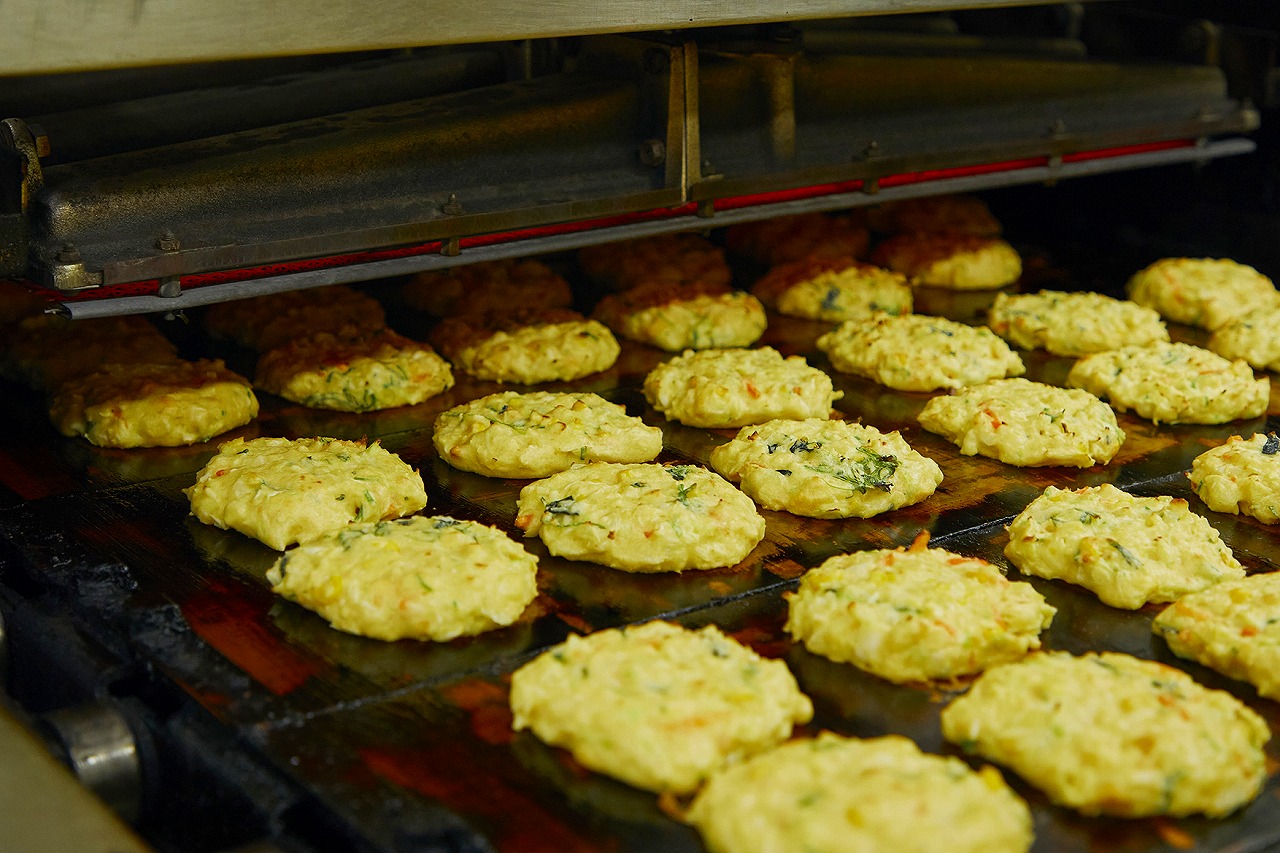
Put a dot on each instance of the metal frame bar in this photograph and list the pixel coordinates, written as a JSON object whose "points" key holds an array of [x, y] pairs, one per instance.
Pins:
{"points": [[1053, 171]]}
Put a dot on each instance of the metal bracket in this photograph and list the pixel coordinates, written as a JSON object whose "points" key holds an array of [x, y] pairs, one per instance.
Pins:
{"points": [[19, 146]]}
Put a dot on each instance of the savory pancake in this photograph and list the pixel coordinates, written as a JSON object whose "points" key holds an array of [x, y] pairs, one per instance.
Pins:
{"points": [[656, 705], [1241, 476], [354, 370], [1173, 383], [954, 261], [539, 433], [488, 286], [738, 387], [413, 578], [526, 346], [1026, 423], [1109, 734], [1073, 324], [1127, 550], [282, 491], [833, 289], [916, 352], [916, 615], [153, 405], [834, 794], [641, 517], [826, 468], [1202, 292]]}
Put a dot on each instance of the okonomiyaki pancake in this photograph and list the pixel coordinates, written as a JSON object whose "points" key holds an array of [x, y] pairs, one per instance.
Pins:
{"points": [[916, 352], [46, 350], [488, 286], [641, 517], [826, 468], [354, 370], [679, 317], [418, 578], [943, 214], [539, 433], [833, 289], [1240, 477], [1173, 383], [528, 346], [153, 405], [1110, 734], [266, 322], [281, 491], [1073, 324], [1026, 423], [954, 261], [1127, 550], [834, 794], [1233, 627], [1253, 336], [1206, 292], [784, 239], [656, 705], [738, 387], [916, 615], [661, 259]]}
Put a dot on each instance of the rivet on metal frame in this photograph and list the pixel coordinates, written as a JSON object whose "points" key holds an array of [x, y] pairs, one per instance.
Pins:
{"points": [[653, 152], [452, 207]]}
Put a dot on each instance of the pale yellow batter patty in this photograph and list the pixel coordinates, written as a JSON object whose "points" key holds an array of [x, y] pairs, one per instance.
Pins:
{"points": [[266, 322], [47, 350], [641, 517], [540, 433], [916, 615], [738, 387], [1073, 324], [153, 405], [282, 491], [413, 578], [488, 286], [677, 317], [658, 706], [1128, 550], [825, 468], [1026, 423], [942, 214], [916, 352], [1201, 291], [834, 794], [1233, 627], [527, 346], [1241, 476], [833, 289], [1173, 383], [1109, 734], [784, 239], [1253, 336], [354, 370], [661, 259], [955, 261]]}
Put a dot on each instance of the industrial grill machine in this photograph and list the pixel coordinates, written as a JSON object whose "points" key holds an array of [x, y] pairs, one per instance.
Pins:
{"points": [[155, 159]]}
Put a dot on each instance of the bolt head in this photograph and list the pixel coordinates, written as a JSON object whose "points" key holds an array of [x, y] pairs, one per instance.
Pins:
{"points": [[653, 152], [168, 243]]}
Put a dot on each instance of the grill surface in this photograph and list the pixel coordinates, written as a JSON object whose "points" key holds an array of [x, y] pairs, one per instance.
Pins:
{"points": [[407, 746]]}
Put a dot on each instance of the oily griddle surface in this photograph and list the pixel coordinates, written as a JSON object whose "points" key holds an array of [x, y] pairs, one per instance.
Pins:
{"points": [[412, 740]]}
